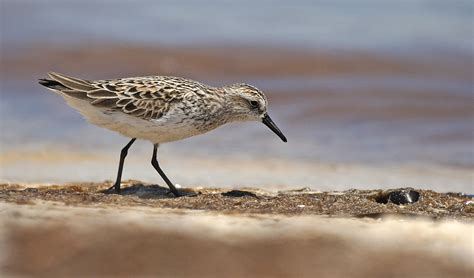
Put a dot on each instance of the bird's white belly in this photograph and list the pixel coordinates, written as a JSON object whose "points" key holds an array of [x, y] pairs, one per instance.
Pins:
{"points": [[163, 130]]}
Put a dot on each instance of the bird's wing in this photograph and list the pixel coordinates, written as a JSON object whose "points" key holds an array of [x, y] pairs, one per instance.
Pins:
{"points": [[144, 97]]}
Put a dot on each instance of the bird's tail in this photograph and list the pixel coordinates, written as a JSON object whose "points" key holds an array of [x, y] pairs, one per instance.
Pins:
{"points": [[51, 84], [61, 81], [67, 85]]}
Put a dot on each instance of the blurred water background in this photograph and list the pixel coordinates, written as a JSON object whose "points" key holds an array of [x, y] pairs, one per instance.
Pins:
{"points": [[369, 93]]}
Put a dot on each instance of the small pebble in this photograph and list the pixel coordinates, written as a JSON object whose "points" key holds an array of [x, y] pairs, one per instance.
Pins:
{"points": [[404, 197], [398, 197]]}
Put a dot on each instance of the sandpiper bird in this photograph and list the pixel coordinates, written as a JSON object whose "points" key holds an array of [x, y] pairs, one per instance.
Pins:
{"points": [[160, 108]]}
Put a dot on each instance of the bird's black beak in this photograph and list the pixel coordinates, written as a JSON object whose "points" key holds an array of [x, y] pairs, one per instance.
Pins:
{"points": [[268, 122]]}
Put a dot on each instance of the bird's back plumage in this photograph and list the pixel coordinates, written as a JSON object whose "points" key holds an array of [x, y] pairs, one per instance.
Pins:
{"points": [[147, 97], [154, 108]]}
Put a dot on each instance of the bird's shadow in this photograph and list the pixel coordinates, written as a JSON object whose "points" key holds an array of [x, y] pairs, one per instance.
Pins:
{"points": [[151, 191]]}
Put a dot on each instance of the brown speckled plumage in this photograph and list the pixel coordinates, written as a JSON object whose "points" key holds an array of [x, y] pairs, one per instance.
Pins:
{"points": [[179, 103], [147, 97]]}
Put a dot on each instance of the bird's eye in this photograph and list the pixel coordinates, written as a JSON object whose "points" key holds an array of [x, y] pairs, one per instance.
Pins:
{"points": [[254, 103]]}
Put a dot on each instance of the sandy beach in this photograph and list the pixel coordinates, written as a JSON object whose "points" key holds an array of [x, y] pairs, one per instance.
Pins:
{"points": [[232, 232]]}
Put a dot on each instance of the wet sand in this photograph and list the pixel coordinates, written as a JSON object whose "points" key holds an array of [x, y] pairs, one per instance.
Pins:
{"points": [[54, 231]]}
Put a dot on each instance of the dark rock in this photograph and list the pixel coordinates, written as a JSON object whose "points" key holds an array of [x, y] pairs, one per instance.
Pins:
{"points": [[239, 193], [398, 197]]}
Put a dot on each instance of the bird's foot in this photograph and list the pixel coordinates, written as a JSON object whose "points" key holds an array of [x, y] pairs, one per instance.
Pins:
{"points": [[112, 190], [175, 193], [186, 193]]}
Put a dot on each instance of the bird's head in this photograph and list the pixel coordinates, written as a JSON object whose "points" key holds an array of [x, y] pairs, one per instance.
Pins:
{"points": [[247, 103]]}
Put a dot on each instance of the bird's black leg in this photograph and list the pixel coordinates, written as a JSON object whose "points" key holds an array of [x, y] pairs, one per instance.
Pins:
{"points": [[155, 164], [123, 154]]}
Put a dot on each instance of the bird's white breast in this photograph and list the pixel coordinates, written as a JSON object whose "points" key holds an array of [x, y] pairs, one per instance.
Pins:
{"points": [[171, 127]]}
